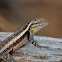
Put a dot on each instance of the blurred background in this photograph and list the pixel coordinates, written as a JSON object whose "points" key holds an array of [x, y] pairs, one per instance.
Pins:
{"points": [[14, 14]]}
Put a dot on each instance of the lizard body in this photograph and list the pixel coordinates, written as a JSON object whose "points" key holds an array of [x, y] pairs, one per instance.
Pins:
{"points": [[20, 37]]}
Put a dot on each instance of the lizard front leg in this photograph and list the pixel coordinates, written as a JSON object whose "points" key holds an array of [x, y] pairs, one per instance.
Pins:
{"points": [[31, 39]]}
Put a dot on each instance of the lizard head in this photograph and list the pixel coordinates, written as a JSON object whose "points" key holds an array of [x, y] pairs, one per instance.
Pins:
{"points": [[37, 25]]}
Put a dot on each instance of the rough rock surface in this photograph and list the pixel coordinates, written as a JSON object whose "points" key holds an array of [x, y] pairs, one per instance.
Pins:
{"points": [[30, 53]]}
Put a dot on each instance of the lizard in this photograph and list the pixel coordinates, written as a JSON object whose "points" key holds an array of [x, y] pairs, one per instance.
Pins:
{"points": [[20, 37]]}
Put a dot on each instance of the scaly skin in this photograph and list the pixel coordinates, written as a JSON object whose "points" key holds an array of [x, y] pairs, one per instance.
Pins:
{"points": [[20, 37]]}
